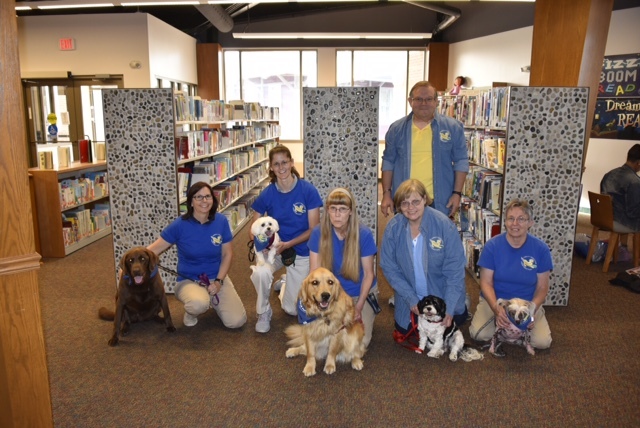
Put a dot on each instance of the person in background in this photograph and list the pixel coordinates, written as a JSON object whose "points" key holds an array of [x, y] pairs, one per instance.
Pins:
{"points": [[346, 247], [204, 246], [458, 82], [514, 264], [422, 255], [428, 147], [623, 185], [295, 204]]}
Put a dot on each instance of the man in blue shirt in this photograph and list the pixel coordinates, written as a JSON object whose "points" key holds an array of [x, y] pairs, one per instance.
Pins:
{"points": [[623, 185]]}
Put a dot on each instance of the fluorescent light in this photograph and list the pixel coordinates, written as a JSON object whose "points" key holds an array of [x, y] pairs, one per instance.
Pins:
{"points": [[74, 6], [332, 35], [161, 3], [23, 7]]}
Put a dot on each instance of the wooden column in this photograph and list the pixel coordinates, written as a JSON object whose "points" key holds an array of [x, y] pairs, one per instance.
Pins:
{"points": [[569, 39], [25, 399], [208, 58], [438, 65]]}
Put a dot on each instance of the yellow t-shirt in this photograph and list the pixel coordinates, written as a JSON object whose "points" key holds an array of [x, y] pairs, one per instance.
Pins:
{"points": [[422, 156]]}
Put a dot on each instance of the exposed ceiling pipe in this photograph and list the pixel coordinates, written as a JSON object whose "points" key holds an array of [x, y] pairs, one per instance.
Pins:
{"points": [[236, 9], [217, 16], [452, 14]]}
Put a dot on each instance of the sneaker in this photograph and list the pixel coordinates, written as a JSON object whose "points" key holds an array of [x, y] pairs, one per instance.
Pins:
{"points": [[264, 321], [189, 320], [277, 286]]}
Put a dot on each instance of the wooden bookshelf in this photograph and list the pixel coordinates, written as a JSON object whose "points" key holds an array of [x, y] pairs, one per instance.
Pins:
{"points": [[49, 209]]}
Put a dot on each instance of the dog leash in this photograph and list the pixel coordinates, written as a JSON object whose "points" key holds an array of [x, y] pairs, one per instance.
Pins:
{"points": [[410, 337], [252, 252], [203, 281]]}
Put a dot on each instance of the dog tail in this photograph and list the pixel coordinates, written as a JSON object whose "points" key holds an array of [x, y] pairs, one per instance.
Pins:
{"points": [[294, 333], [470, 354], [106, 314]]}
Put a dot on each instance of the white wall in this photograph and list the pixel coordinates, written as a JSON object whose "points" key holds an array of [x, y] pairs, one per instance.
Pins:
{"points": [[106, 44], [498, 58]]}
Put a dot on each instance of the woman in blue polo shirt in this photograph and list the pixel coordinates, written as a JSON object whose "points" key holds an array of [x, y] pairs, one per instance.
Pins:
{"points": [[346, 247], [295, 204], [204, 246]]}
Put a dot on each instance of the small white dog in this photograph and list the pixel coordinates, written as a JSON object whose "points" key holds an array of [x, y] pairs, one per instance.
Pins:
{"points": [[265, 237], [438, 338]]}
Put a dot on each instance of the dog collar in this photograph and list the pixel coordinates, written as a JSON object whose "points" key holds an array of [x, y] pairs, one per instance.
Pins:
{"points": [[262, 242], [153, 273], [523, 326], [303, 318]]}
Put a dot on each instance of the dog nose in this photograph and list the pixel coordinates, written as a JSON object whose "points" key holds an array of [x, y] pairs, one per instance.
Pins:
{"points": [[325, 296]]}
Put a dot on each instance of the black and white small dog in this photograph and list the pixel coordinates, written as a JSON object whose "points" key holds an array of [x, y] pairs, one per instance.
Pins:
{"points": [[520, 313], [438, 338]]}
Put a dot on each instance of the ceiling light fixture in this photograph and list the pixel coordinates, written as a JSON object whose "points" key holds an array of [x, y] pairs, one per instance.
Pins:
{"points": [[73, 6], [414, 36]]}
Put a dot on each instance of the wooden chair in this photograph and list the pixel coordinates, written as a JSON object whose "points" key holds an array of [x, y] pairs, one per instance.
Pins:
{"points": [[602, 220]]}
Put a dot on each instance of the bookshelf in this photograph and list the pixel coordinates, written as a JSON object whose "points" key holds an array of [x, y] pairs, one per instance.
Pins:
{"points": [[159, 142], [531, 140], [72, 205]]}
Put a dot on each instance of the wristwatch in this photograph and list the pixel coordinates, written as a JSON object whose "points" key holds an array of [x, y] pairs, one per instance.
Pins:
{"points": [[455, 192], [219, 280]]}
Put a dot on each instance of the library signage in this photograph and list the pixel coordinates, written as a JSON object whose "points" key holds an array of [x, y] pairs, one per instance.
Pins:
{"points": [[617, 112]]}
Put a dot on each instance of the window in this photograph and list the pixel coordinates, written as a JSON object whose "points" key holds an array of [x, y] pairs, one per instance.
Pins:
{"points": [[393, 71], [274, 79]]}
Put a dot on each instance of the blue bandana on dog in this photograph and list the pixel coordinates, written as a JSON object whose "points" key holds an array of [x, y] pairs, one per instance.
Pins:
{"points": [[303, 318], [263, 242], [523, 325]]}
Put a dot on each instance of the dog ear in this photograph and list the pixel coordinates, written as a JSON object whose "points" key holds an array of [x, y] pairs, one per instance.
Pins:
{"points": [[153, 259], [302, 294], [532, 307], [503, 302], [123, 264]]}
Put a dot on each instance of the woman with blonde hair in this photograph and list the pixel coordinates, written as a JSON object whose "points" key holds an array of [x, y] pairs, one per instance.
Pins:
{"points": [[346, 247]]}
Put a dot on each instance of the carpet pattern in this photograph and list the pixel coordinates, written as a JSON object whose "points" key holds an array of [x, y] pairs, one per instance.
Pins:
{"points": [[210, 376]]}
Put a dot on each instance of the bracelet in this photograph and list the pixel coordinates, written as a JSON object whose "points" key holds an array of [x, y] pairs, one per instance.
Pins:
{"points": [[218, 280], [455, 192], [385, 191]]}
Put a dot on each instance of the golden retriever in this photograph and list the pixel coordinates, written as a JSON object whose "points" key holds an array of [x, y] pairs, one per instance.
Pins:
{"points": [[334, 334], [140, 295]]}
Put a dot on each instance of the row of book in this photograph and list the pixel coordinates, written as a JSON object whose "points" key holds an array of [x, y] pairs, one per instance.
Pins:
{"points": [[209, 140], [484, 187], [81, 222], [77, 191], [478, 108], [486, 149], [190, 108]]}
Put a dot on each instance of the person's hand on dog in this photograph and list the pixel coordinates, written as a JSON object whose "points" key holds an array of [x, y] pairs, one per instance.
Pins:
{"points": [[358, 310], [502, 321], [283, 246], [448, 319]]}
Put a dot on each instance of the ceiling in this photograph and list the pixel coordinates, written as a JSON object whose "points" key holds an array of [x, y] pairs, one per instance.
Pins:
{"points": [[468, 20]]}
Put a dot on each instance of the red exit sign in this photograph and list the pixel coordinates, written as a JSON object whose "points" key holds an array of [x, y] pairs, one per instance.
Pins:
{"points": [[67, 44]]}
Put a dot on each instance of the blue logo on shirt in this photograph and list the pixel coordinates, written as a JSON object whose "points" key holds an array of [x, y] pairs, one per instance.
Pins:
{"points": [[216, 239], [529, 263], [299, 208], [436, 244]]}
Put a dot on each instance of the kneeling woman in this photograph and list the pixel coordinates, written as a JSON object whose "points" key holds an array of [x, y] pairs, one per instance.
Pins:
{"points": [[346, 247], [204, 246], [422, 254]]}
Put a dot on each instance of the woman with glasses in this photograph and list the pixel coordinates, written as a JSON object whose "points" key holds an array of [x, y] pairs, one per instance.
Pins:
{"points": [[429, 147], [422, 255], [203, 239], [295, 204], [513, 264], [346, 247]]}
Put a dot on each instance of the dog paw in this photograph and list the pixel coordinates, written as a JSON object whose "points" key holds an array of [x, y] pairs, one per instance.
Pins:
{"points": [[329, 368], [291, 353], [309, 371], [435, 354], [530, 350], [357, 364], [113, 341], [453, 356], [171, 329]]}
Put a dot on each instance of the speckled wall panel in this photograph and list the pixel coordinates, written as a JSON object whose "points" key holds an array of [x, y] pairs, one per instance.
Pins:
{"points": [[341, 144], [141, 163], [545, 143]]}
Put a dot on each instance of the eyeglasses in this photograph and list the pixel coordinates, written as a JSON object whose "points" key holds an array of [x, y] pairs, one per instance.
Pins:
{"points": [[342, 210], [414, 203], [200, 198], [519, 220], [279, 164], [423, 100]]}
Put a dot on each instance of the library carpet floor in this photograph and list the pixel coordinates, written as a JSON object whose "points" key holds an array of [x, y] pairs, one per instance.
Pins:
{"points": [[209, 376]]}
